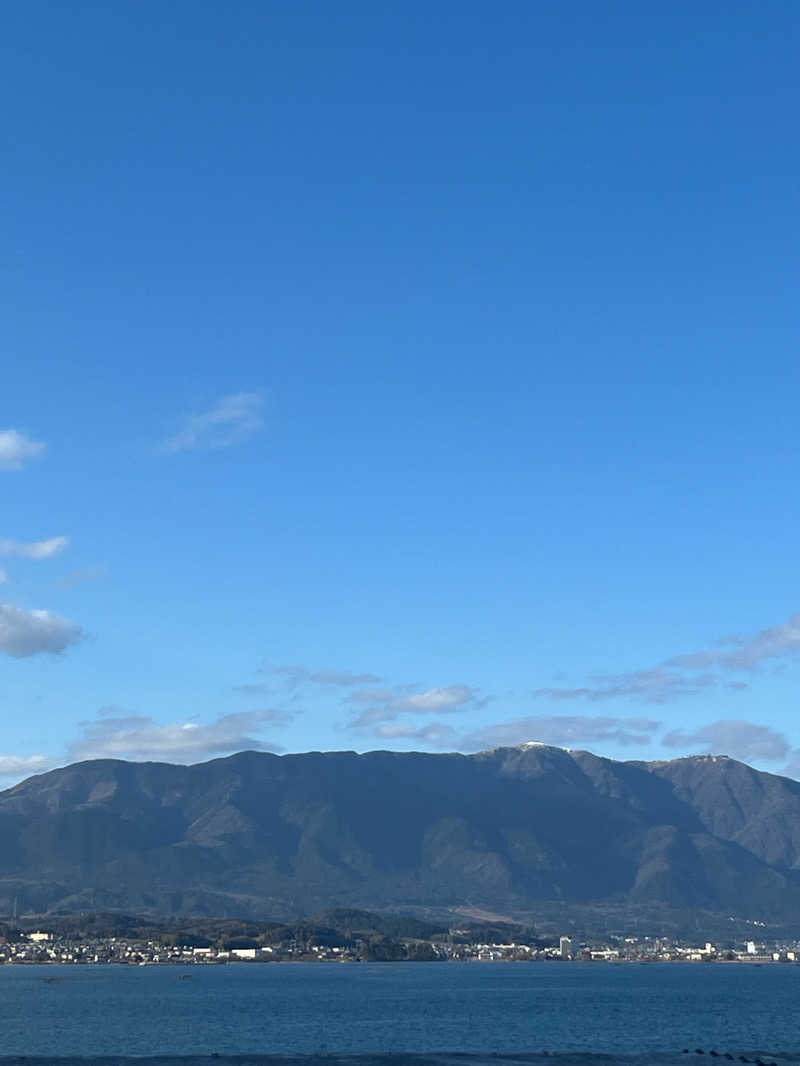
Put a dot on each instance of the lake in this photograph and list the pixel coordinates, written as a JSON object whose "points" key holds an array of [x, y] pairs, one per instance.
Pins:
{"points": [[642, 1013]]}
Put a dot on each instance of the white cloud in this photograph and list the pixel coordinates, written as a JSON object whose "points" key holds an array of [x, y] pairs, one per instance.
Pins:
{"points": [[120, 735], [742, 740], [232, 420], [441, 700], [24, 633], [37, 549], [16, 449], [22, 765], [562, 731], [385, 705], [3, 577]]}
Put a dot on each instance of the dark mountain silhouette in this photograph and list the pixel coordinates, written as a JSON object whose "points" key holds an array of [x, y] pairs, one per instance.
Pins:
{"points": [[265, 836]]}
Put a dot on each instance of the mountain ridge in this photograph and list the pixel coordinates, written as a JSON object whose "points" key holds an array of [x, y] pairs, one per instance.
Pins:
{"points": [[507, 829]]}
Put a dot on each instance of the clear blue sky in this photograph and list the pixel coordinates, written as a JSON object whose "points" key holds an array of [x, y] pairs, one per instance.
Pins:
{"points": [[401, 375]]}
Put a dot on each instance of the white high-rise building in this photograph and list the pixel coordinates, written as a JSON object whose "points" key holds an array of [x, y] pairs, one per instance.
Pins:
{"points": [[565, 947]]}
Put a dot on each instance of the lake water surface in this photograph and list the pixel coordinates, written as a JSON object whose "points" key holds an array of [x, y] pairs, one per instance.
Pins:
{"points": [[635, 1013]]}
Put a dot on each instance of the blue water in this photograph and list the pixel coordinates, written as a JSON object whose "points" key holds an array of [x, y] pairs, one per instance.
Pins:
{"points": [[635, 1011]]}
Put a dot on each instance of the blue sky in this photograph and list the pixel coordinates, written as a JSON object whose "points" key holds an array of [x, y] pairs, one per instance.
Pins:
{"points": [[411, 376]]}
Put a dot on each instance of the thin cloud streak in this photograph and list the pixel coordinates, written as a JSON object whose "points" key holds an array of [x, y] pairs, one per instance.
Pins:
{"points": [[85, 574], [686, 675], [435, 734], [775, 642], [256, 689], [37, 549], [649, 686], [232, 420], [294, 675]]}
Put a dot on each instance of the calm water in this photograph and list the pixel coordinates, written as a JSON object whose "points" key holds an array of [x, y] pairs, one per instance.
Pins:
{"points": [[342, 1010]]}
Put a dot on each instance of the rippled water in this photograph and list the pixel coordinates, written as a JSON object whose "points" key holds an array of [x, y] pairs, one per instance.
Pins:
{"points": [[448, 1013]]}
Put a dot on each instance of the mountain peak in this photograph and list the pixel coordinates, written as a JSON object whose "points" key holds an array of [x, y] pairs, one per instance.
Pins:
{"points": [[275, 836]]}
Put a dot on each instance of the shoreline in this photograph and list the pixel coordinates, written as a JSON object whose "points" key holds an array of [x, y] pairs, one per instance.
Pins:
{"points": [[257, 963]]}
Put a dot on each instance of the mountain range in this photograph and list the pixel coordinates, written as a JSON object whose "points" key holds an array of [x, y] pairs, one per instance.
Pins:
{"points": [[501, 832]]}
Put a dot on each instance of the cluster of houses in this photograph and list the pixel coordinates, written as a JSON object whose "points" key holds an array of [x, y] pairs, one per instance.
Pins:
{"points": [[663, 949], [43, 947]]}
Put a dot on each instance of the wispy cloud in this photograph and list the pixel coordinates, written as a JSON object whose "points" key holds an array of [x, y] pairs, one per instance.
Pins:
{"points": [[257, 688], [120, 735], [81, 576], [22, 765], [232, 420], [656, 685], [300, 675], [741, 739], [3, 577], [17, 449], [387, 704], [688, 674], [24, 632], [36, 549], [562, 731], [746, 653], [558, 730], [376, 706], [435, 734]]}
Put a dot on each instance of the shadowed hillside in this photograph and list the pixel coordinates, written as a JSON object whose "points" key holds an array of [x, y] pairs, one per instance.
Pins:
{"points": [[276, 837]]}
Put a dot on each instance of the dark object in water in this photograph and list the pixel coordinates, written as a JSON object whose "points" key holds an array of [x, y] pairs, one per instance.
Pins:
{"points": [[728, 1055], [713, 1052]]}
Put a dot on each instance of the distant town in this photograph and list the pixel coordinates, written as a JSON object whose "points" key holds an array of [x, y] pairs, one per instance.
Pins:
{"points": [[314, 942]]}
